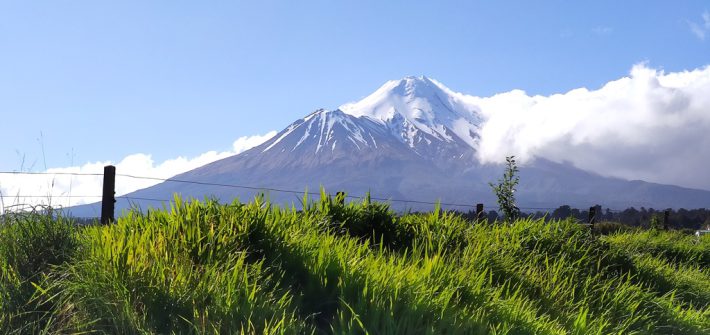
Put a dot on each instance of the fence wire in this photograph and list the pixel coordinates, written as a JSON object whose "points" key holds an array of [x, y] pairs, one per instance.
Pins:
{"points": [[269, 189]]}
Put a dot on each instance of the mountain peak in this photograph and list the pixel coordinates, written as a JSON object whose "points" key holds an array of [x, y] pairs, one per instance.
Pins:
{"points": [[411, 96], [388, 99], [416, 87], [413, 104], [417, 80]]}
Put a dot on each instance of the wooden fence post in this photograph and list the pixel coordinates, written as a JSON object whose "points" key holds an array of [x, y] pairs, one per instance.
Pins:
{"points": [[592, 216], [108, 199], [666, 218], [479, 212], [340, 198]]}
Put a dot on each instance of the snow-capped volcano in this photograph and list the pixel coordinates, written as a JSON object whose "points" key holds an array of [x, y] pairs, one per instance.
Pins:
{"points": [[415, 105], [419, 112], [412, 139]]}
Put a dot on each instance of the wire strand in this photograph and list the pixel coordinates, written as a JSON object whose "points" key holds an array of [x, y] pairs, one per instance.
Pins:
{"points": [[53, 173], [280, 190], [240, 187], [51, 196], [141, 198], [209, 183]]}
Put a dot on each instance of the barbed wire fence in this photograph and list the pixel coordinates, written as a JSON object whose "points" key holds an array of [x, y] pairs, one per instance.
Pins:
{"points": [[111, 194]]}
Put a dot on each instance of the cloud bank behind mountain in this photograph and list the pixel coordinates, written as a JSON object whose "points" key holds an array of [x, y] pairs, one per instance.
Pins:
{"points": [[650, 125]]}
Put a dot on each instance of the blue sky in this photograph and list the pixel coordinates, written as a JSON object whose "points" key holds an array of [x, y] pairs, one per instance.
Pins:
{"points": [[182, 77], [90, 81]]}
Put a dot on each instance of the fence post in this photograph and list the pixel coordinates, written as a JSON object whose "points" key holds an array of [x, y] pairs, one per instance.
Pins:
{"points": [[108, 199], [479, 212], [666, 218], [340, 198], [592, 216]]}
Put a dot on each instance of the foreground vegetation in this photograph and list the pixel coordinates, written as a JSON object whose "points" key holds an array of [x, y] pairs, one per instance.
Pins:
{"points": [[204, 267]]}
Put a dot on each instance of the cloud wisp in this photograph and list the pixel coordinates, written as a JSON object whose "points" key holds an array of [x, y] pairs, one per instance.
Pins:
{"points": [[651, 125], [67, 190], [701, 29], [603, 30]]}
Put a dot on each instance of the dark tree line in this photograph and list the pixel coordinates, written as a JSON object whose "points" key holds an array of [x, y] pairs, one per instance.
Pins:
{"points": [[678, 219]]}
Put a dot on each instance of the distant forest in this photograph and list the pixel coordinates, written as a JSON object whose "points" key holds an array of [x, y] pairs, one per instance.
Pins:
{"points": [[678, 219]]}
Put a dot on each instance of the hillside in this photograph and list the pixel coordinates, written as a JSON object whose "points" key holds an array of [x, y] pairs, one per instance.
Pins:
{"points": [[205, 267]]}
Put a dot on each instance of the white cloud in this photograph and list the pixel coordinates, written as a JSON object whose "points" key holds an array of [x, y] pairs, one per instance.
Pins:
{"points": [[51, 188], [650, 125], [701, 29], [697, 30], [245, 143]]}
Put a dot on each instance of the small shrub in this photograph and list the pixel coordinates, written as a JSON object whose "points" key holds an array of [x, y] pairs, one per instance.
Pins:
{"points": [[505, 190], [656, 222]]}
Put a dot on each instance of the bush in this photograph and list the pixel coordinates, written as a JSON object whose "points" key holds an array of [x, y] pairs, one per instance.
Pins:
{"points": [[505, 190]]}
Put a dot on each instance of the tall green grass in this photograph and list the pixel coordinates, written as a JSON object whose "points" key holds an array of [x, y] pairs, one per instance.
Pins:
{"points": [[348, 268], [32, 245]]}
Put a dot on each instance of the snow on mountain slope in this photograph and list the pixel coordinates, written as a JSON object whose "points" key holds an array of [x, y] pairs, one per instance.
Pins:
{"points": [[413, 106], [432, 121], [322, 127]]}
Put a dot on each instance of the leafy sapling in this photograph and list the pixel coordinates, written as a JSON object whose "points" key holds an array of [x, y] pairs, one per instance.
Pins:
{"points": [[505, 190]]}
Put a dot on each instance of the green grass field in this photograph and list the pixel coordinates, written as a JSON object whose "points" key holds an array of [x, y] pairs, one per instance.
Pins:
{"points": [[204, 267]]}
